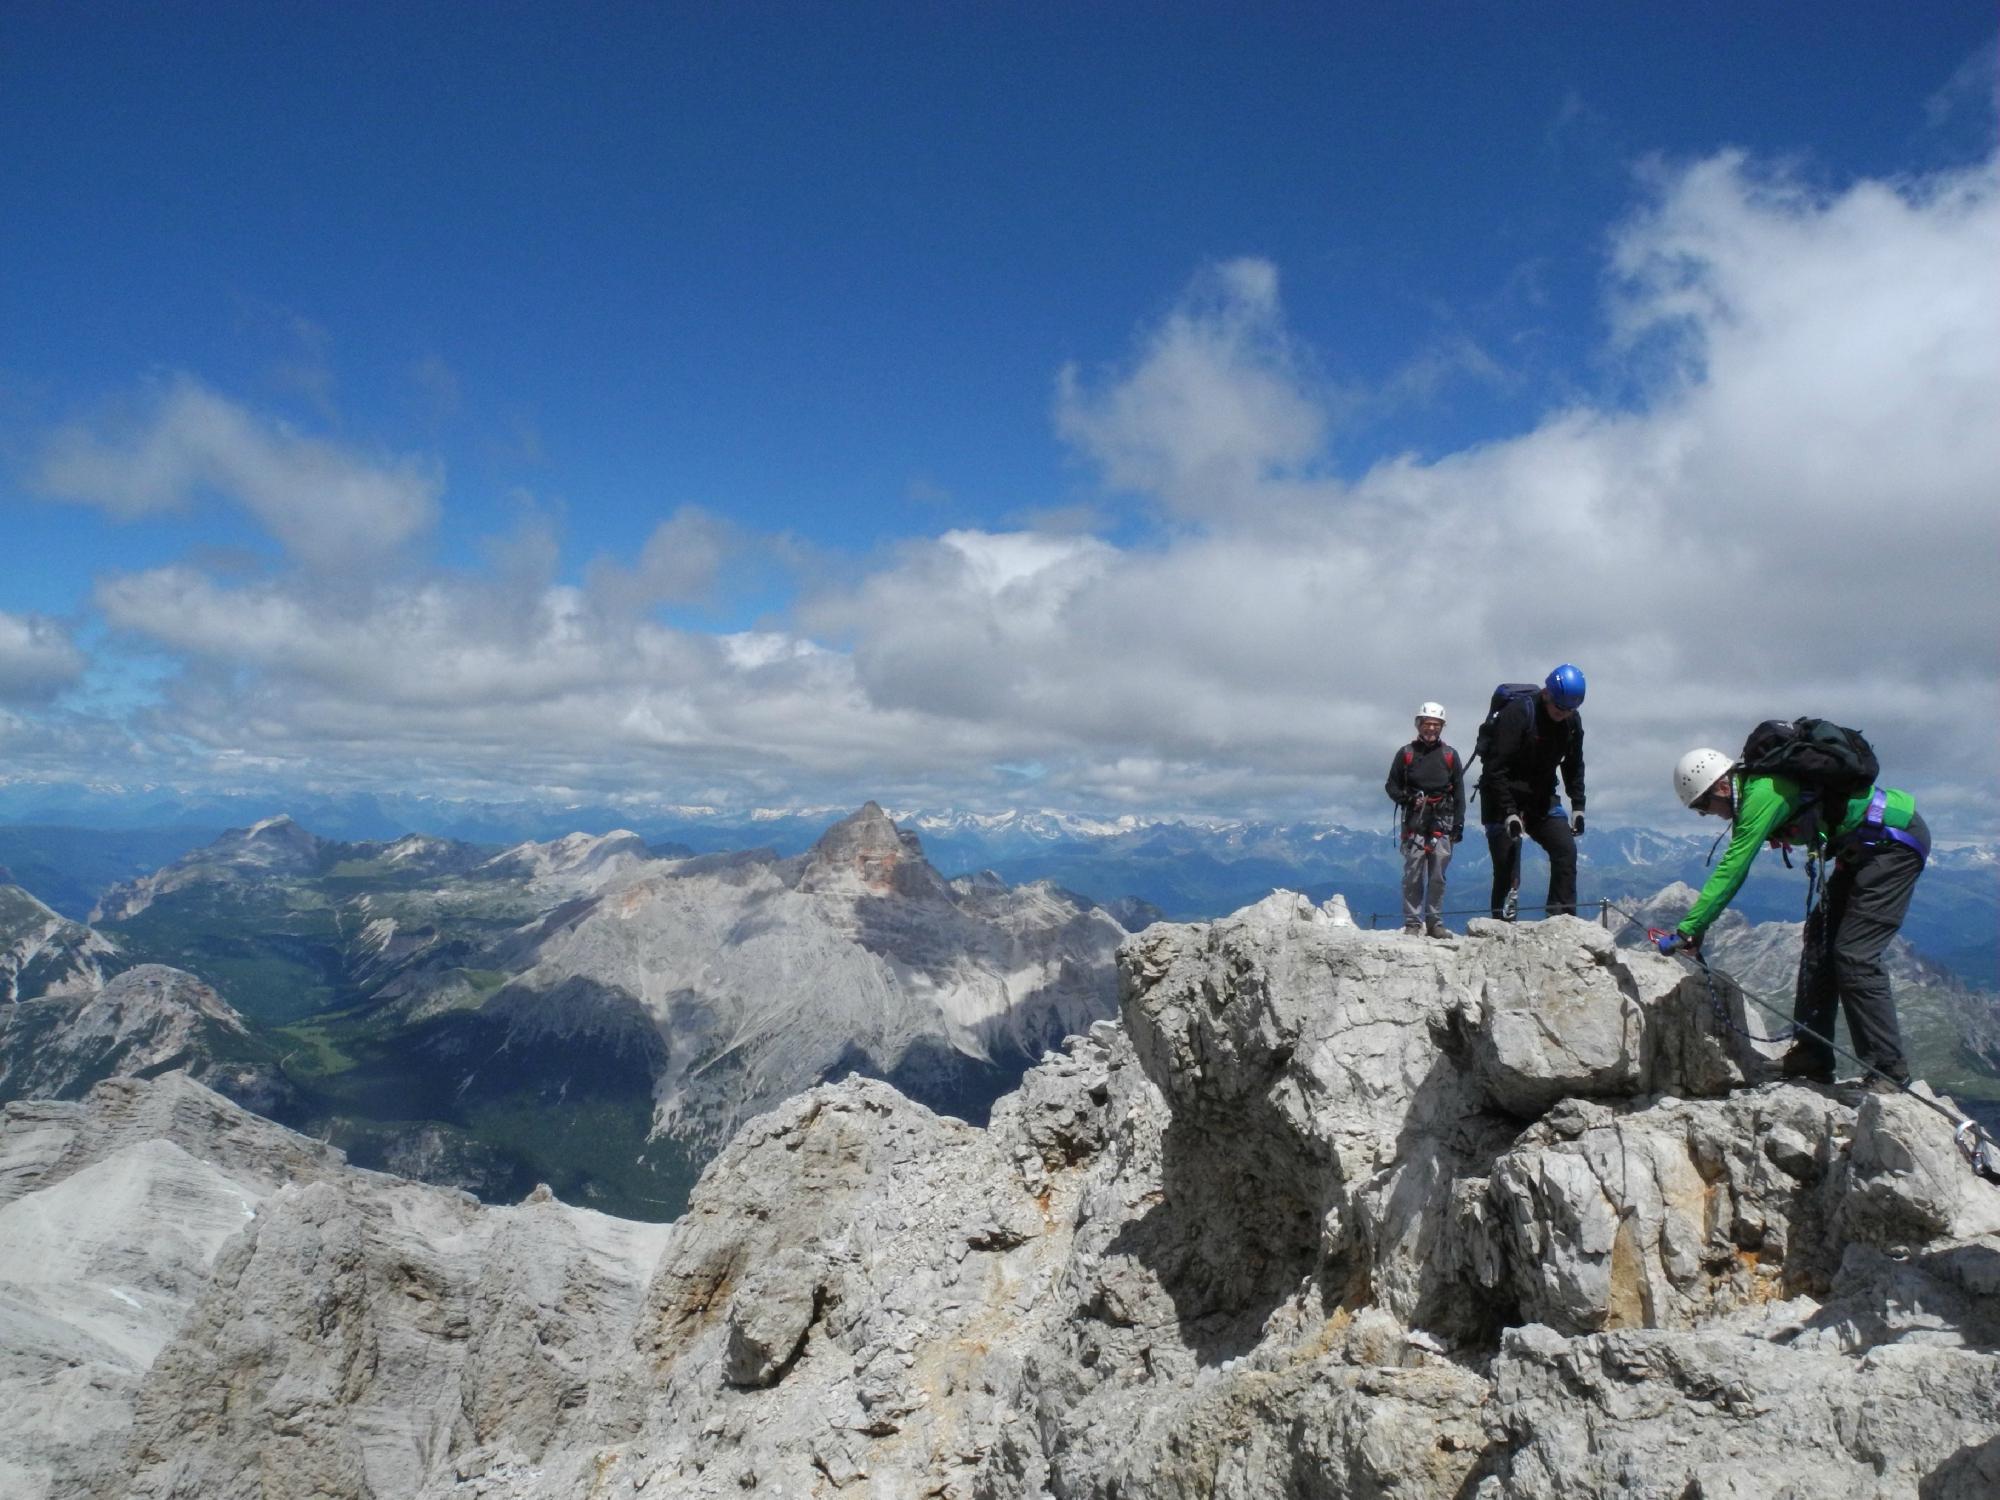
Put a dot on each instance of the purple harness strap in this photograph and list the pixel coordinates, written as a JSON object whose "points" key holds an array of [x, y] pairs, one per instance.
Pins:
{"points": [[1876, 805]]}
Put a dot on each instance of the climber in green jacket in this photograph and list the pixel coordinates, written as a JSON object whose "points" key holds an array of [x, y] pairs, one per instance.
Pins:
{"points": [[1878, 844]]}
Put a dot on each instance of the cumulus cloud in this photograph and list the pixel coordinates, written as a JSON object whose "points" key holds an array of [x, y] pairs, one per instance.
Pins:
{"points": [[1219, 401], [37, 659], [1795, 516], [679, 563], [451, 679], [1792, 515], [328, 506]]}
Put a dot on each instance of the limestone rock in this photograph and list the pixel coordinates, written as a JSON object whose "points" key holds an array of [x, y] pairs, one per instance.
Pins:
{"points": [[1648, 1415], [1564, 1011], [1906, 1177], [1296, 1227], [1669, 1215], [361, 1331], [1330, 1086], [769, 1315], [112, 1212]]}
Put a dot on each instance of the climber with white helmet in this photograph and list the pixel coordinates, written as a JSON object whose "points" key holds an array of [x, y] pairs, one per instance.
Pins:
{"points": [[1810, 784], [1427, 781], [1529, 737]]}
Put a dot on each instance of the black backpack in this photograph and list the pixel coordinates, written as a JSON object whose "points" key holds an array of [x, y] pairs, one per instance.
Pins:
{"points": [[1824, 758], [1506, 693]]}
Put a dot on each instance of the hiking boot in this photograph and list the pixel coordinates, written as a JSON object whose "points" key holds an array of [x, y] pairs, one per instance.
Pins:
{"points": [[1885, 1083], [1435, 928], [1806, 1066], [1413, 929]]}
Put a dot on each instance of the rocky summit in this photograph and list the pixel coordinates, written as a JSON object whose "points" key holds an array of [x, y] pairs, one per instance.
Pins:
{"points": [[1326, 1213]]}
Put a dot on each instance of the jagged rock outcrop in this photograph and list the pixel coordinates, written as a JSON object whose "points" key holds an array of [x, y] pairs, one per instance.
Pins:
{"points": [[1307, 1223], [147, 1019], [302, 1327], [867, 853], [44, 953], [761, 976], [111, 1215]]}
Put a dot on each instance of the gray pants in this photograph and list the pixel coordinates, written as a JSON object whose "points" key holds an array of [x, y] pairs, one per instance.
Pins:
{"points": [[1862, 908], [1424, 856]]}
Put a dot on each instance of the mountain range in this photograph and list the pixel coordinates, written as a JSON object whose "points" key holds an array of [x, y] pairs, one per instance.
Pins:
{"points": [[601, 1011], [1180, 869], [592, 1012]]}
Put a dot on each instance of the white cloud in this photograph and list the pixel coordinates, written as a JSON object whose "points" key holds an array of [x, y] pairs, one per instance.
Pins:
{"points": [[37, 659], [1801, 520], [1219, 402], [328, 506], [679, 564], [1796, 517]]}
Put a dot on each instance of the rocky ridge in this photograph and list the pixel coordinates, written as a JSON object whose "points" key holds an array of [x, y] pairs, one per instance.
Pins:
{"points": [[426, 1002], [1332, 1213], [766, 975], [146, 1020], [44, 953]]}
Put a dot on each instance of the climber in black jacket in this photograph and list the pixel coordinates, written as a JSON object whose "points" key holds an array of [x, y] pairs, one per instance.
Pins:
{"points": [[1528, 742]]}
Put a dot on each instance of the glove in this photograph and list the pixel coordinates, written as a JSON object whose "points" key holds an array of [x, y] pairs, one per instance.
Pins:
{"points": [[1677, 941], [1515, 827], [1576, 825], [1458, 834]]}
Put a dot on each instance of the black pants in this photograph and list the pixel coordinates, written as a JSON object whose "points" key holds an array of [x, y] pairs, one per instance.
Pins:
{"points": [[1863, 905], [1551, 831]]}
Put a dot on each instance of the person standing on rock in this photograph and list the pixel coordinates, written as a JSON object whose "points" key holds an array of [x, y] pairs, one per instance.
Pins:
{"points": [[1427, 781], [1878, 843], [1525, 743]]}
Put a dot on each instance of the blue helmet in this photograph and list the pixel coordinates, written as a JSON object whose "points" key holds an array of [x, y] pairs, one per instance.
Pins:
{"points": [[1565, 686]]}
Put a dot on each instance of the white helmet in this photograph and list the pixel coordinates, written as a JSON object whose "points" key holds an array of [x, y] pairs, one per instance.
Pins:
{"points": [[1431, 711], [1697, 771]]}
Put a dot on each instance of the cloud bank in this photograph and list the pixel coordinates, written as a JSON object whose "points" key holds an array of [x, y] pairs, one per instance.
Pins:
{"points": [[1788, 509]]}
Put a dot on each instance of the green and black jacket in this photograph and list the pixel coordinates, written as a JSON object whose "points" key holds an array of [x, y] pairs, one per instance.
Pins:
{"points": [[1778, 811]]}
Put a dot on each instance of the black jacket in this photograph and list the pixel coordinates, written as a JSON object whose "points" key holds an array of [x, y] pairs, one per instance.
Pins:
{"points": [[1526, 750], [1422, 771]]}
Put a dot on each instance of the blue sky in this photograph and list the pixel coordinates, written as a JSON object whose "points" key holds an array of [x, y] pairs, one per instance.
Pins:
{"points": [[1114, 407]]}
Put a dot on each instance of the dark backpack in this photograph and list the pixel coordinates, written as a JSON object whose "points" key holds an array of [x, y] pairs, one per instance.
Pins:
{"points": [[1506, 693], [1826, 759]]}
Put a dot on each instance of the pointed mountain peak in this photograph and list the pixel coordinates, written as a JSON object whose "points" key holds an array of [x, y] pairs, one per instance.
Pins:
{"points": [[869, 828], [866, 849]]}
